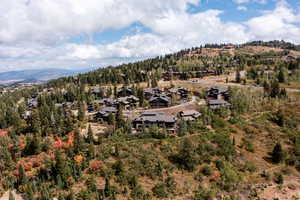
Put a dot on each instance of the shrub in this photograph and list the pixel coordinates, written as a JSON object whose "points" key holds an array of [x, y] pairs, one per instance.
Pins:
{"points": [[278, 178], [206, 170], [160, 191], [138, 193], [249, 166], [186, 157], [203, 194]]}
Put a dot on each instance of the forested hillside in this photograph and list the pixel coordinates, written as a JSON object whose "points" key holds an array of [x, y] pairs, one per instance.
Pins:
{"points": [[79, 137]]}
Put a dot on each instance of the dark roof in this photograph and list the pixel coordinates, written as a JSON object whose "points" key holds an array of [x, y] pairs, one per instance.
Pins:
{"points": [[217, 103], [128, 99], [156, 117], [219, 89], [160, 97]]}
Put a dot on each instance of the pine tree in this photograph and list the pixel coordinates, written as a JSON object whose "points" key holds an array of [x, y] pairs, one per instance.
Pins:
{"points": [[275, 89], [182, 128], [90, 134], [22, 179], [119, 117], [281, 76], [81, 112], [78, 142], [277, 154], [107, 188]]}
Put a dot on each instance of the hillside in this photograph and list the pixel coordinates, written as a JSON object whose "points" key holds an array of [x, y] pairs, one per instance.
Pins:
{"points": [[211, 122]]}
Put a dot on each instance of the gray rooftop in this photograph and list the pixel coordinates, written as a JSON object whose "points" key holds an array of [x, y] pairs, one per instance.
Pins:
{"points": [[156, 117], [218, 102]]}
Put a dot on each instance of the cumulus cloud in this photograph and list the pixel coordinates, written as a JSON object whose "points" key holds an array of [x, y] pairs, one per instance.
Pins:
{"points": [[281, 23], [36, 33], [51, 21]]}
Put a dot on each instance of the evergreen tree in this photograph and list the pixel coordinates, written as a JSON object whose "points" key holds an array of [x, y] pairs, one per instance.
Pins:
{"points": [[78, 142], [277, 153], [81, 112], [182, 128], [275, 89], [119, 117], [90, 135], [281, 76], [22, 179], [107, 188]]}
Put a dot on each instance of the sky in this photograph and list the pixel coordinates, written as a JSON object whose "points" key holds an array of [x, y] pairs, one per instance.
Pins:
{"points": [[80, 34]]}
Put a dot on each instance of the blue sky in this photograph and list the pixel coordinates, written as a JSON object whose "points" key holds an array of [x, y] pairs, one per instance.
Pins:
{"points": [[77, 34]]}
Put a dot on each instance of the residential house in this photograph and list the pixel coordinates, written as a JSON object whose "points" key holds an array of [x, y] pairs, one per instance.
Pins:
{"points": [[218, 103], [159, 119], [180, 91], [149, 92], [160, 101], [203, 73], [217, 92], [109, 102], [128, 101], [104, 113], [97, 91], [125, 91], [189, 115]]}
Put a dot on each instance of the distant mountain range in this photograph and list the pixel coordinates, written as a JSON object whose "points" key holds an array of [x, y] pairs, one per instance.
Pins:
{"points": [[35, 76]]}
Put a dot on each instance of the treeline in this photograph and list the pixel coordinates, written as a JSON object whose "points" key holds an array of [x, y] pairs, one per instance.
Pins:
{"points": [[276, 43]]}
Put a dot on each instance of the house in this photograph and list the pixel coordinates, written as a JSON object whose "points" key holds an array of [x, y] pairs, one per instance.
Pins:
{"points": [[108, 102], [104, 113], [189, 115], [160, 101], [128, 101], [217, 92], [182, 92], [149, 92], [159, 119], [218, 103], [203, 73], [125, 91]]}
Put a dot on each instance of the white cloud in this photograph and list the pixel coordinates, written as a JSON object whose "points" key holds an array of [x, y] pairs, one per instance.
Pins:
{"points": [[52, 20], [280, 23], [36, 34]]}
